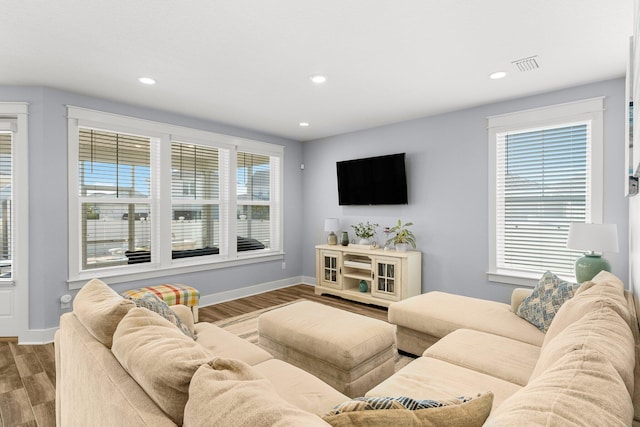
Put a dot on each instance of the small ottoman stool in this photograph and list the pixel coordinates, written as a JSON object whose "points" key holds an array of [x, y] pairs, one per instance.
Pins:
{"points": [[171, 294], [350, 352]]}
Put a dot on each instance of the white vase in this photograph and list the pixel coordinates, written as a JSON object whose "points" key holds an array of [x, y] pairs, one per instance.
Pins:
{"points": [[363, 242], [402, 247]]}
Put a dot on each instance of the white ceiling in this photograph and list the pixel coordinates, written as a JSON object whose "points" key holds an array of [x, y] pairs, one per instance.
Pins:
{"points": [[248, 62]]}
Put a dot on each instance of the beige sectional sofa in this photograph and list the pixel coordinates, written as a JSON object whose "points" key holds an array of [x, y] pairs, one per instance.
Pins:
{"points": [[583, 371], [120, 365]]}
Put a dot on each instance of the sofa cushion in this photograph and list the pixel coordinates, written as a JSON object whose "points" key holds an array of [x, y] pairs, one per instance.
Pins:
{"points": [[547, 297], [437, 379], [603, 331], [223, 343], [155, 304], [159, 357], [397, 411], [99, 308], [300, 387], [581, 389], [226, 392], [494, 355], [604, 290], [439, 313]]}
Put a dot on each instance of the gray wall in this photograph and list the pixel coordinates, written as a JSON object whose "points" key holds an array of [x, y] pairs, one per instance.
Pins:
{"points": [[48, 245], [446, 169], [447, 173]]}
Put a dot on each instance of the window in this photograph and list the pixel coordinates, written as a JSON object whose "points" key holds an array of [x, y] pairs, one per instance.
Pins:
{"points": [[6, 200], [148, 197], [114, 173], [546, 172]]}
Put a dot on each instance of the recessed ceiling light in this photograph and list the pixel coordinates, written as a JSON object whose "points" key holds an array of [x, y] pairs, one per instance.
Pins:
{"points": [[318, 78], [147, 80], [304, 124], [497, 75]]}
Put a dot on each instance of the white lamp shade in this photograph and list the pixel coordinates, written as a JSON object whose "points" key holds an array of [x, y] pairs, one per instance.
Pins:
{"points": [[331, 224], [593, 237]]}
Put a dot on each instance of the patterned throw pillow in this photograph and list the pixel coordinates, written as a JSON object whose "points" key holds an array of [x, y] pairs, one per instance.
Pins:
{"points": [[372, 403], [155, 304], [387, 411], [541, 306]]}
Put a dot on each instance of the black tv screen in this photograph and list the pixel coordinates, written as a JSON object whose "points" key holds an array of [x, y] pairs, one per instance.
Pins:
{"points": [[372, 181]]}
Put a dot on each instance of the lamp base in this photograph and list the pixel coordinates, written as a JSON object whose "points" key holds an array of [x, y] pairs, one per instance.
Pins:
{"points": [[332, 239], [590, 265]]}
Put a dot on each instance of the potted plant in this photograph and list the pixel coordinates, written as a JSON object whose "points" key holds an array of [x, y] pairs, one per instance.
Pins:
{"points": [[365, 232], [402, 237]]}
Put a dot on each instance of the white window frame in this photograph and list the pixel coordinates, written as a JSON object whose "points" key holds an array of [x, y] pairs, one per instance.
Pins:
{"points": [[588, 110], [161, 262], [14, 116]]}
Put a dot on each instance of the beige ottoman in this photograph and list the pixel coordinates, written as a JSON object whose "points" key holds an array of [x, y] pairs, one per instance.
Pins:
{"points": [[350, 352]]}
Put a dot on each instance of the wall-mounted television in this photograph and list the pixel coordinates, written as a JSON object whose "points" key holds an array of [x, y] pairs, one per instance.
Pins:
{"points": [[372, 181]]}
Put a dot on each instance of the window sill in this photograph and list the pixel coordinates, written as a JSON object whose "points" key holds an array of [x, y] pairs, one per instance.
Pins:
{"points": [[522, 279], [177, 267]]}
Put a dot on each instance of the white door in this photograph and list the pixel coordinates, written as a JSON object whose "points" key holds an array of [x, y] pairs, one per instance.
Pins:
{"points": [[14, 292]]}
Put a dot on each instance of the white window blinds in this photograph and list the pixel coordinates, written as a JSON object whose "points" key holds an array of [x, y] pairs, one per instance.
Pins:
{"points": [[195, 191], [255, 176], [542, 185], [115, 194], [6, 202], [163, 197]]}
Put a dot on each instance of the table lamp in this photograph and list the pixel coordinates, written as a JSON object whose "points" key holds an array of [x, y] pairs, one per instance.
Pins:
{"points": [[592, 238], [331, 225]]}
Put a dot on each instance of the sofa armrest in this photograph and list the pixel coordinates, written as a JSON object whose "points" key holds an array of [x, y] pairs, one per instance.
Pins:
{"points": [[517, 296]]}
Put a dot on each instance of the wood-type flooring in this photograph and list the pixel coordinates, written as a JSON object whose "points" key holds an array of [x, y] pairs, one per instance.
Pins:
{"points": [[28, 373]]}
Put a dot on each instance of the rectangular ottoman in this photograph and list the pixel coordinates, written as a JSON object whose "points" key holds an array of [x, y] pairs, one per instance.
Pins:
{"points": [[350, 352]]}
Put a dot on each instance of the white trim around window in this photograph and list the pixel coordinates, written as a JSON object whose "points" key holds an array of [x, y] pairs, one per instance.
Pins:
{"points": [[588, 112], [15, 290], [154, 210]]}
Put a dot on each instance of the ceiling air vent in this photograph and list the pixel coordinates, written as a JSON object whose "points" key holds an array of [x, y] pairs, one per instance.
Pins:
{"points": [[527, 64]]}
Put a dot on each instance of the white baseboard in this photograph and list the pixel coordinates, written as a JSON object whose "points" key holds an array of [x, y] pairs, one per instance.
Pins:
{"points": [[308, 280], [250, 290], [37, 336]]}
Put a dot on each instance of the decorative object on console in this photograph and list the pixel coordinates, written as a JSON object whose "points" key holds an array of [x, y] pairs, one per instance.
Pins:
{"points": [[332, 225], [344, 239], [402, 236], [365, 232], [593, 238], [362, 286]]}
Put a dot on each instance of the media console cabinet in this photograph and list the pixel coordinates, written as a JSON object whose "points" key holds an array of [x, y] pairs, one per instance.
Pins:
{"points": [[389, 275]]}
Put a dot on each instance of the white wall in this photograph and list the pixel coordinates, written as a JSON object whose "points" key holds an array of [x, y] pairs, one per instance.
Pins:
{"points": [[447, 173]]}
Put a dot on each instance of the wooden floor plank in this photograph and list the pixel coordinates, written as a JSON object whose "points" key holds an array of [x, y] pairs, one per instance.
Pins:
{"points": [[15, 408], [45, 414], [10, 378], [39, 388]]}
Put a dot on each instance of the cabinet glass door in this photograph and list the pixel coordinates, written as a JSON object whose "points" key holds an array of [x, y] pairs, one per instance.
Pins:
{"points": [[387, 280], [330, 274]]}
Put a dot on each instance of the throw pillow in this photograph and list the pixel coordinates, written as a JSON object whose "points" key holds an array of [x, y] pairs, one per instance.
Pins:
{"points": [[227, 392], [405, 411], [159, 357], [547, 297], [99, 308], [155, 304]]}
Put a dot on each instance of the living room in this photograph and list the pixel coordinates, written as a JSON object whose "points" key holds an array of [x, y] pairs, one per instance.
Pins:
{"points": [[447, 163]]}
